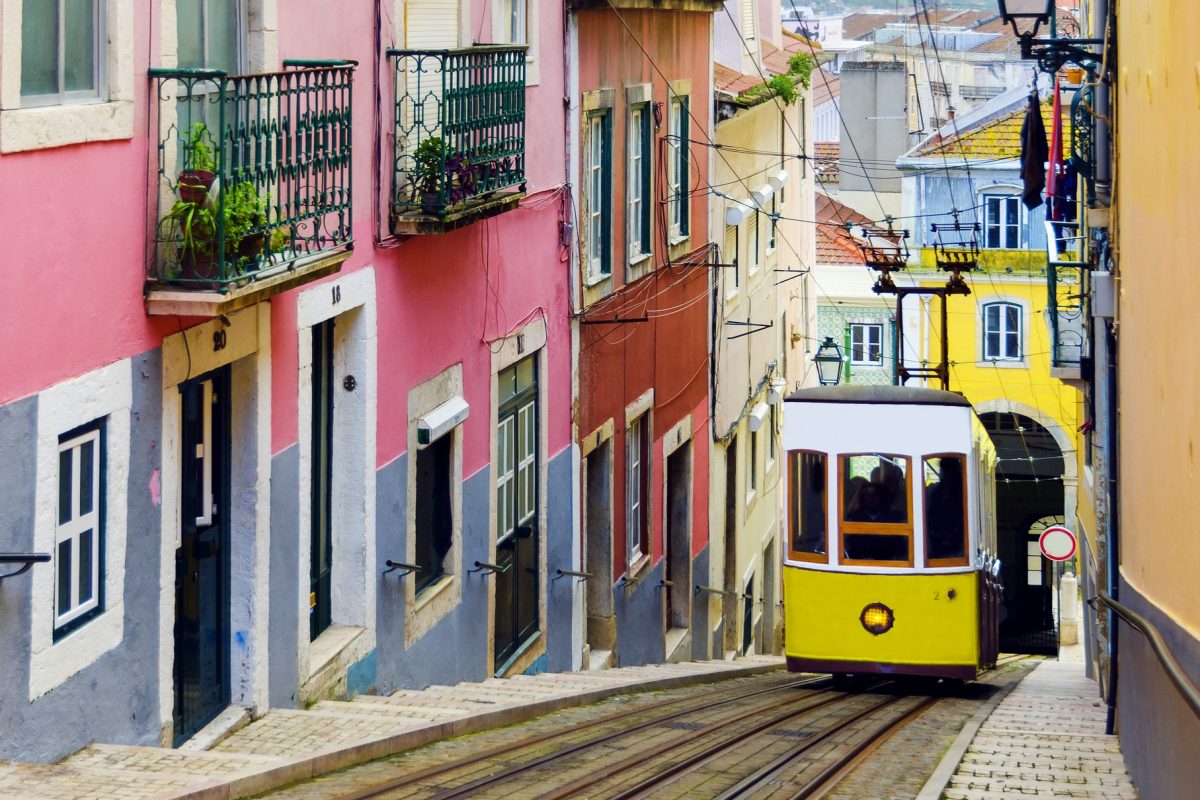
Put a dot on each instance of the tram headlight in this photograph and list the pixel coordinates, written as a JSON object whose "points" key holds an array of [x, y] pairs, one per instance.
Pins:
{"points": [[876, 618]]}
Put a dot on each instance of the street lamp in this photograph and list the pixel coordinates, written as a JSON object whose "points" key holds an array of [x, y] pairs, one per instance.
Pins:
{"points": [[1026, 17], [829, 362]]}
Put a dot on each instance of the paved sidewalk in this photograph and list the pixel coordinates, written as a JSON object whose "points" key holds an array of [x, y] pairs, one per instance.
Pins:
{"points": [[1045, 739], [285, 745]]}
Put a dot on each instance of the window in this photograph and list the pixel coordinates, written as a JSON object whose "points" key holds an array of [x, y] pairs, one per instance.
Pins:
{"points": [[63, 51], [1002, 332], [866, 344], [749, 29], [637, 488], [731, 254], [772, 432], [1001, 221], [754, 243], [945, 511], [773, 222], [679, 166], [638, 182], [807, 504], [434, 513], [79, 540], [599, 178], [876, 509], [211, 34], [513, 17], [752, 464]]}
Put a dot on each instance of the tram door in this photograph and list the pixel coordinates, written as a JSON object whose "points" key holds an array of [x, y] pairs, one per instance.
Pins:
{"points": [[201, 669], [517, 493]]}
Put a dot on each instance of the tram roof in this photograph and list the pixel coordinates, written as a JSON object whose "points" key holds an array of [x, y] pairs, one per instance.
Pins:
{"points": [[879, 395]]}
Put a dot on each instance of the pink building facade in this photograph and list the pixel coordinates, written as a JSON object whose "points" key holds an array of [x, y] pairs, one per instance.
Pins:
{"points": [[286, 390]]}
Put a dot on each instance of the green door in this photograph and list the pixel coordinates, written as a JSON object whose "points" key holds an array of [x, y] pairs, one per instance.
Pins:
{"points": [[517, 504]]}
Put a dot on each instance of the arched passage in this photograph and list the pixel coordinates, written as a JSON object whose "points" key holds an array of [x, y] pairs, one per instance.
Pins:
{"points": [[1030, 494]]}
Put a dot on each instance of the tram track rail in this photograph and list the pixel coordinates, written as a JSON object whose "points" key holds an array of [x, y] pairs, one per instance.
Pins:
{"points": [[414, 779]]}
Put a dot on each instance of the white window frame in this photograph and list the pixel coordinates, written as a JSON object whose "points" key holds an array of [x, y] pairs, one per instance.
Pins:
{"points": [[772, 223], [752, 464], [1002, 227], [753, 242], [46, 121], [635, 482], [1003, 331], [678, 172], [599, 202], [526, 33], [106, 393], [71, 531], [639, 177], [772, 444], [864, 346], [99, 64], [733, 257]]}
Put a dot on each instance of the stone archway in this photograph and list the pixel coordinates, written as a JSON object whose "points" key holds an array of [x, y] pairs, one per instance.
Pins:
{"points": [[1033, 469]]}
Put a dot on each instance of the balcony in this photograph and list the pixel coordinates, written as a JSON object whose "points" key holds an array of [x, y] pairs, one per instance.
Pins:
{"points": [[252, 187], [1066, 273], [459, 131], [971, 92], [649, 5]]}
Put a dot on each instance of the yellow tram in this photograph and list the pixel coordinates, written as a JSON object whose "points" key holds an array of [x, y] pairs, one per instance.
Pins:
{"points": [[890, 565]]}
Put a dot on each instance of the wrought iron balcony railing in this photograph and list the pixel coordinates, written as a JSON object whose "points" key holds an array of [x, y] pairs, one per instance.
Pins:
{"points": [[974, 92], [253, 173], [459, 130], [1066, 276]]}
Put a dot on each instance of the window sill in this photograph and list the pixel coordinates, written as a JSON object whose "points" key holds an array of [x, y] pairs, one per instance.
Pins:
{"points": [[431, 593], [1003, 363], [595, 280], [44, 127], [635, 572], [638, 267], [332, 642]]}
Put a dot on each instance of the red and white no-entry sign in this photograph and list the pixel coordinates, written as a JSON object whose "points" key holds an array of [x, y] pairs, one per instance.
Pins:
{"points": [[1057, 543]]}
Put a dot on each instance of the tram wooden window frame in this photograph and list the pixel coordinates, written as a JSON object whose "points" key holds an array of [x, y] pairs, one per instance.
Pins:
{"points": [[874, 528], [965, 560], [794, 508]]}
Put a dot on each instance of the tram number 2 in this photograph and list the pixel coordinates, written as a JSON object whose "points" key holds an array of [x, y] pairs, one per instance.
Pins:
{"points": [[220, 339]]}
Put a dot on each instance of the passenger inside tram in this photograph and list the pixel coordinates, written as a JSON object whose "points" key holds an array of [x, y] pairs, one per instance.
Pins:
{"points": [[882, 500]]}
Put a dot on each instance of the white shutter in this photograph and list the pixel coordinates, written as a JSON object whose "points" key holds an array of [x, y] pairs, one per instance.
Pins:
{"points": [[749, 29], [431, 24]]}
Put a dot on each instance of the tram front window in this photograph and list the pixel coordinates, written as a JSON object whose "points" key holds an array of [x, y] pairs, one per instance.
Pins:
{"points": [[876, 508], [945, 511], [807, 523]]}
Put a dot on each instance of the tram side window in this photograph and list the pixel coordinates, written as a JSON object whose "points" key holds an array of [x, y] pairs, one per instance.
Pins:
{"points": [[876, 524], [945, 510], [808, 524]]}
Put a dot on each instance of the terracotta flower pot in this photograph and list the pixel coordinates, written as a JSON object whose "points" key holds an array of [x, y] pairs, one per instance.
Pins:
{"points": [[194, 185]]}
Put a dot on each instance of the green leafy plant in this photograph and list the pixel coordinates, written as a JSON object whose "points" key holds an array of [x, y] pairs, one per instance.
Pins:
{"points": [[198, 153], [429, 165], [192, 227], [245, 216], [800, 67]]}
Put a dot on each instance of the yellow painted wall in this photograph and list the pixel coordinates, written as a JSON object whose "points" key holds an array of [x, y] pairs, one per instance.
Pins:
{"points": [[1158, 173], [1025, 384]]}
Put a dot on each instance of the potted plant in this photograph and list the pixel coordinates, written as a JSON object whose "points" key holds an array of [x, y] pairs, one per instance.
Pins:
{"points": [[192, 227], [245, 217], [199, 166], [429, 170]]}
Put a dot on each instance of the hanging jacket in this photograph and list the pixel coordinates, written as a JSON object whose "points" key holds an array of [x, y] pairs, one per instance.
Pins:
{"points": [[1034, 153]]}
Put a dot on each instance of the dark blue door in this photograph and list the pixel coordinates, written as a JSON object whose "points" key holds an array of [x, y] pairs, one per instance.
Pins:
{"points": [[201, 562]]}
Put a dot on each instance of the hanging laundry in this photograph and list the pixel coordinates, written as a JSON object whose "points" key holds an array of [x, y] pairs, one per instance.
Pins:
{"points": [[1034, 153]]}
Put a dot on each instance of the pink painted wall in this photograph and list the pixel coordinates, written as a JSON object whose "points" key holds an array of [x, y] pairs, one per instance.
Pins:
{"points": [[74, 223]]}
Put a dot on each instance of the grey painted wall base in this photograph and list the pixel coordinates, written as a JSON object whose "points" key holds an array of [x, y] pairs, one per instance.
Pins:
{"points": [[1159, 733], [283, 631], [563, 595], [700, 641], [115, 698], [639, 612]]}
